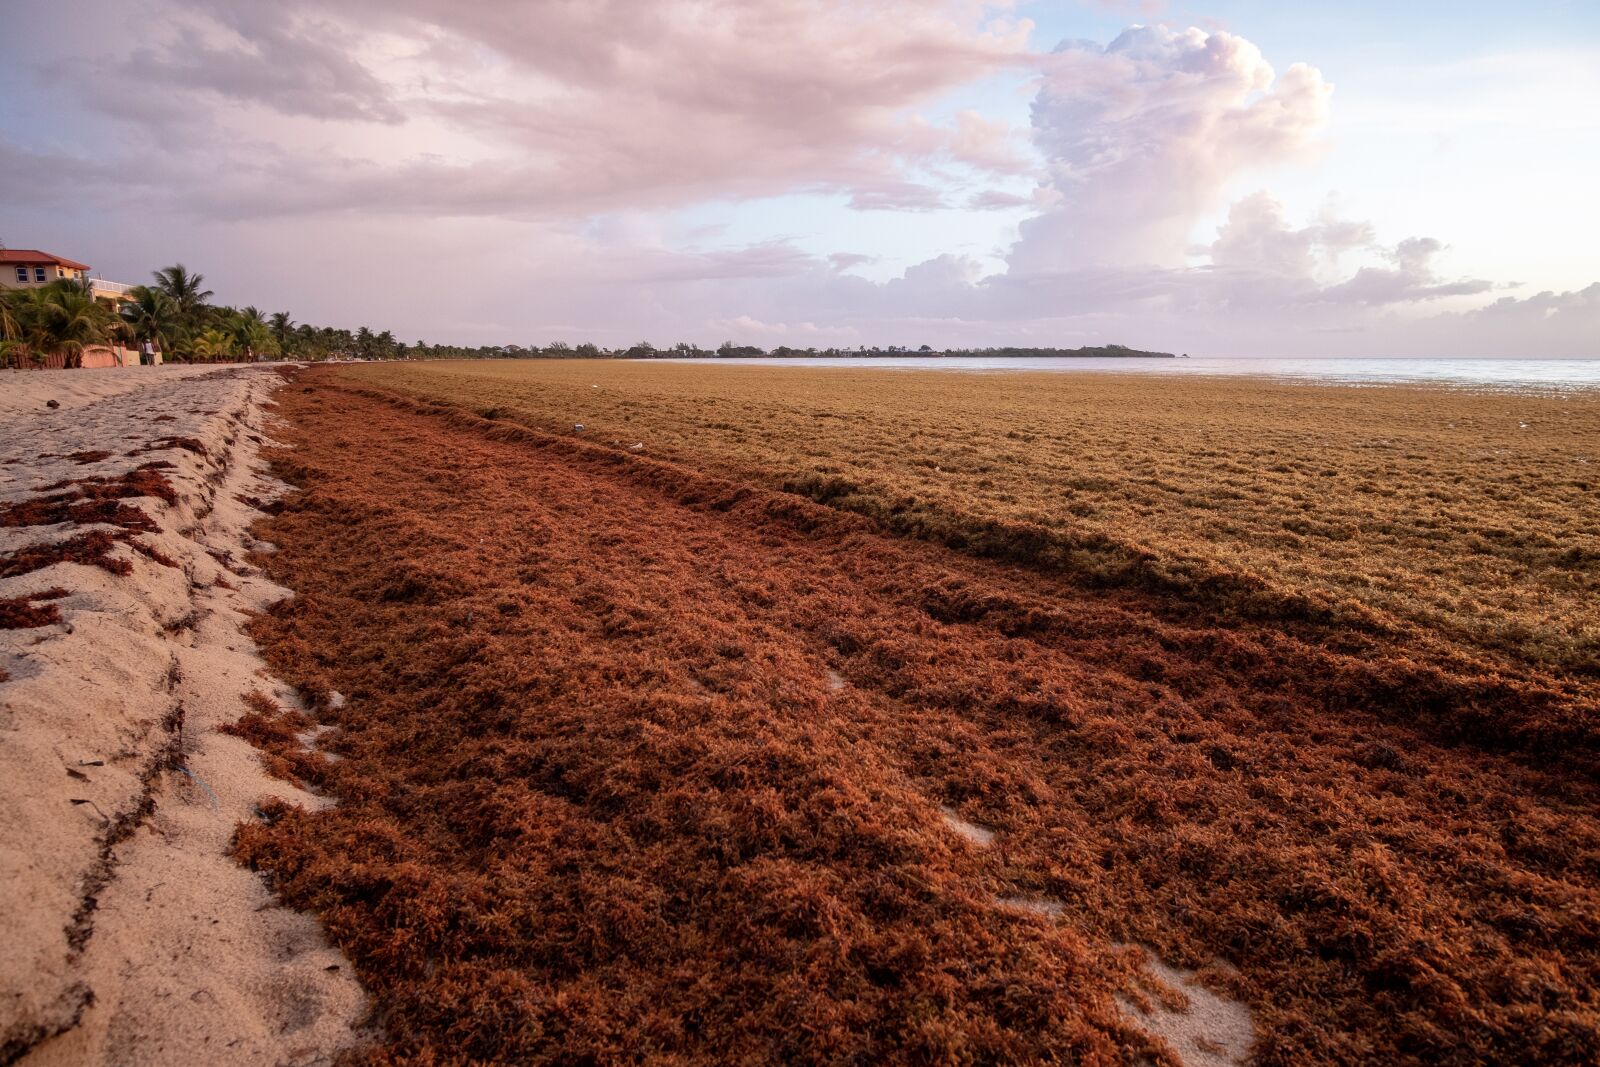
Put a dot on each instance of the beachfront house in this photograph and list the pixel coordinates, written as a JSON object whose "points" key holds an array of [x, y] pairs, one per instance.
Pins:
{"points": [[29, 268]]}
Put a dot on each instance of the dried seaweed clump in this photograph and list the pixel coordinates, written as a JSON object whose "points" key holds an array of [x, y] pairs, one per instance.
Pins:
{"points": [[90, 502], [21, 613], [87, 501], [187, 444], [92, 549], [276, 731]]}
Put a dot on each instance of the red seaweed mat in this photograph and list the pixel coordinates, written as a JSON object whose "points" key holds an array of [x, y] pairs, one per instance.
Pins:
{"points": [[600, 799]]}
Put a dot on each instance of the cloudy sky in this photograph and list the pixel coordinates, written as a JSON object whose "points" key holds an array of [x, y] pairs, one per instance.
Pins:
{"points": [[1229, 177]]}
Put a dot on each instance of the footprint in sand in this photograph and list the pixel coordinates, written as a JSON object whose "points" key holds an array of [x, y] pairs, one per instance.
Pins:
{"points": [[1203, 1028], [1208, 1031]]}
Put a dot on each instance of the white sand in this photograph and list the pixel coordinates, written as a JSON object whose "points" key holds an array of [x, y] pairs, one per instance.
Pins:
{"points": [[1205, 1029], [980, 836], [23, 391], [159, 948]]}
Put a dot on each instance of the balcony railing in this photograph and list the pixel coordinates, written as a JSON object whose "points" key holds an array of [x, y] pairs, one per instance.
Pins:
{"points": [[110, 288]]}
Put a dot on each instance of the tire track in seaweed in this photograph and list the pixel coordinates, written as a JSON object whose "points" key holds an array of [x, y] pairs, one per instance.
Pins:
{"points": [[600, 795]]}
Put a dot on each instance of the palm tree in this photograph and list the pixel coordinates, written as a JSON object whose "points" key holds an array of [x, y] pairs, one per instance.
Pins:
{"points": [[153, 316], [10, 328], [249, 332], [13, 347], [213, 344], [336, 342], [281, 326], [184, 288], [62, 319]]}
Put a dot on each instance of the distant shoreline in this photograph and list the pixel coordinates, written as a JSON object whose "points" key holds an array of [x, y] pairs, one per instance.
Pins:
{"points": [[918, 355], [752, 352]]}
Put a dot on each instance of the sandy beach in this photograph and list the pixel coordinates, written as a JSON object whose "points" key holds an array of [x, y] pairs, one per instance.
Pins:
{"points": [[24, 392], [377, 714], [753, 533], [130, 935]]}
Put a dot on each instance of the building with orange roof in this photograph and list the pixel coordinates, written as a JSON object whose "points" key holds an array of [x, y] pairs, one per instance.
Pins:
{"points": [[29, 268]]}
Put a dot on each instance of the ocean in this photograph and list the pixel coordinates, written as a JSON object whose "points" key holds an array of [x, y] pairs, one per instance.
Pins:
{"points": [[1542, 375]]}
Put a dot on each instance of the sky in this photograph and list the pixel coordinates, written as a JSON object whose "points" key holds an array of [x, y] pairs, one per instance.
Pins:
{"points": [[1222, 178]]}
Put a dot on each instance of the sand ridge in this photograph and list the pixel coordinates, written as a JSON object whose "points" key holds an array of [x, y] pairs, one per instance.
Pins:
{"points": [[133, 937]]}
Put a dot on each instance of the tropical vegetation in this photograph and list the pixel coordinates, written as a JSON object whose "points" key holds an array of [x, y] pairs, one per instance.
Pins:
{"points": [[175, 315], [60, 320]]}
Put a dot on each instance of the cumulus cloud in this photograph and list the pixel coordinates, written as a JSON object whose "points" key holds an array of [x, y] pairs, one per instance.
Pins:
{"points": [[1259, 258], [1141, 136], [286, 144], [986, 145], [1409, 278], [843, 261], [1141, 139], [1547, 324], [1257, 237], [1580, 308]]}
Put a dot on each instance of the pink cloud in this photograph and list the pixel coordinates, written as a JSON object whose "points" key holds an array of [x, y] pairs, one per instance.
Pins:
{"points": [[1141, 137], [987, 145], [997, 200], [286, 146], [1257, 237], [1130, 7], [549, 108]]}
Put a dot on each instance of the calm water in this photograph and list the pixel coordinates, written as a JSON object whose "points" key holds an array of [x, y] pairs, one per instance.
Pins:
{"points": [[1519, 374]]}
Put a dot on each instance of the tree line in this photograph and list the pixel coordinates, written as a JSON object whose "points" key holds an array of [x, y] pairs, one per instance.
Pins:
{"points": [[174, 314], [729, 350]]}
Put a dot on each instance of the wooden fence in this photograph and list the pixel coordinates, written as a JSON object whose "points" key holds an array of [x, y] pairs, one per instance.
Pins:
{"points": [[93, 356]]}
